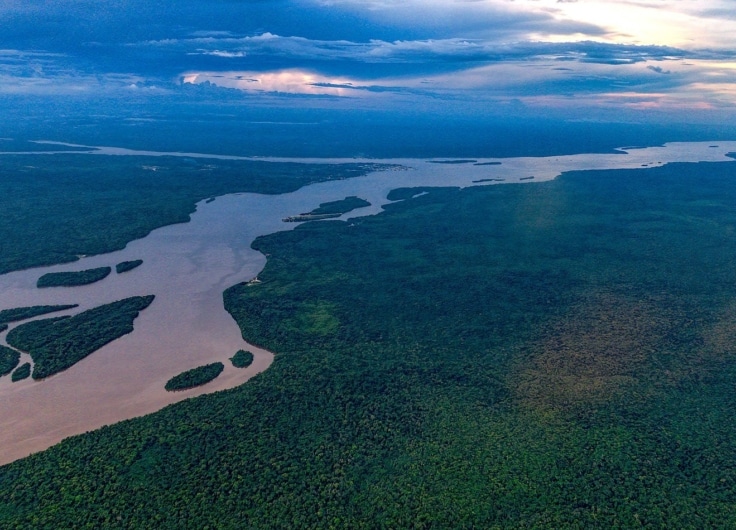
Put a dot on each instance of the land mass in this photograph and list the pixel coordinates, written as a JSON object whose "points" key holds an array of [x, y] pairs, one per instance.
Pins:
{"points": [[126, 266], [107, 201], [329, 210], [195, 377], [9, 359], [74, 278], [501, 356]]}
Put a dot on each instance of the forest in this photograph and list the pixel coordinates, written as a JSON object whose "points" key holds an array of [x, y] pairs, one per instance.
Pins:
{"points": [[86, 205], [56, 344], [22, 313], [242, 359], [125, 266], [9, 359], [195, 377], [73, 278], [330, 210], [547, 355], [22, 372]]}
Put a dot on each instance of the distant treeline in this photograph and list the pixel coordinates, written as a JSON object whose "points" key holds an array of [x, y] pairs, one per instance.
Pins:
{"points": [[107, 201]]}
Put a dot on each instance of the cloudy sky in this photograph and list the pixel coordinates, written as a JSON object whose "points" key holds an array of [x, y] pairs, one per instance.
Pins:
{"points": [[637, 56]]}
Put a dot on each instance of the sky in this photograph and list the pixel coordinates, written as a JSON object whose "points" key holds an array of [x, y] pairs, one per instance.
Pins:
{"points": [[587, 58]]}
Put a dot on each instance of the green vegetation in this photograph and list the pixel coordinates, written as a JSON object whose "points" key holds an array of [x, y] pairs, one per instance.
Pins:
{"points": [[126, 266], [9, 359], [3, 327], [549, 355], [195, 377], [94, 204], [330, 210], [22, 313], [22, 372], [56, 344], [348, 204], [73, 279], [242, 359]]}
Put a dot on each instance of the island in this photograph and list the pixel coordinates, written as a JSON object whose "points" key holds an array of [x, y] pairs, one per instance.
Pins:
{"points": [[56, 344], [329, 210], [242, 359], [126, 266], [195, 377], [22, 372], [74, 278]]}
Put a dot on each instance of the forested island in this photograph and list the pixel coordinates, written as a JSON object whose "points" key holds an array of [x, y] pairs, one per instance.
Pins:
{"points": [[330, 210], [74, 278], [552, 355], [56, 344], [242, 359], [22, 372], [126, 266], [195, 377]]}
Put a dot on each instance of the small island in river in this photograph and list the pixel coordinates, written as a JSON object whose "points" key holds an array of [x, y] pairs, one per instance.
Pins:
{"points": [[74, 278], [195, 377], [329, 210]]}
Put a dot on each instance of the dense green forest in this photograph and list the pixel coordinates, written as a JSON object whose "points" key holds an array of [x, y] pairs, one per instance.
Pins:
{"points": [[73, 278], [125, 266], [195, 377], [56, 344], [86, 204], [242, 359], [549, 355], [9, 359], [330, 210], [22, 313], [22, 372]]}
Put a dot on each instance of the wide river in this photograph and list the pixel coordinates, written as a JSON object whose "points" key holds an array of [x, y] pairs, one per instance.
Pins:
{"points": [[188, 266]]}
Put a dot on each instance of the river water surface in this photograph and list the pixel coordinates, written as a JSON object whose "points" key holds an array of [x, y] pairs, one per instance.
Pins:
{"points": [[188, 266]]}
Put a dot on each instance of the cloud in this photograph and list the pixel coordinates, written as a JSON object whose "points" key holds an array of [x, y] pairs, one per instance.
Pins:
{"points": [[383, 51]]}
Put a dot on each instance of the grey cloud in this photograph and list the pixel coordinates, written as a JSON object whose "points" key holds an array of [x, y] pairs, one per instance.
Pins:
{"points": [[417, 51]]}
